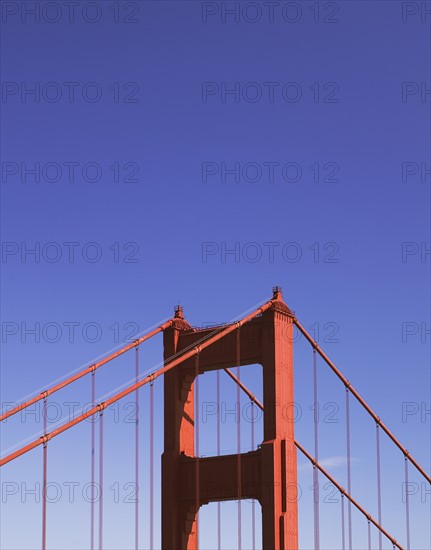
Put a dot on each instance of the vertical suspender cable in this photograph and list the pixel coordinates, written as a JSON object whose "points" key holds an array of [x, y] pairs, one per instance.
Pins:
{"points": [[316, 456], [151, 465], [101, 481], [93, 457], [218, 454], [379, 488], [369, 535], [406, 468], [137, 450], [197, 477], [349, 480], [343, 532], [45, 472], [253, 507], [238, 432]]}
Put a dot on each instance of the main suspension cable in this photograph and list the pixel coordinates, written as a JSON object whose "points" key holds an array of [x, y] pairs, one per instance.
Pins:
{"points": [[349, 497], [84, 372], [173, 361], [360, 399], [343, 492]]}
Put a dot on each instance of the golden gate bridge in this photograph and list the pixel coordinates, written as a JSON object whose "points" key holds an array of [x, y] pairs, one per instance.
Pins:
{"points": [[267, 474]]}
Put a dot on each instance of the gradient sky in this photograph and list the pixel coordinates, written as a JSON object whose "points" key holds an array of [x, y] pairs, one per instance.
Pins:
{"points": [[200, 156]]}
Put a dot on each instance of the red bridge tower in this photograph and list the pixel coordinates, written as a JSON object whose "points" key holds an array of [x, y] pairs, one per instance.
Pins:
{"points": [[268, 474]]}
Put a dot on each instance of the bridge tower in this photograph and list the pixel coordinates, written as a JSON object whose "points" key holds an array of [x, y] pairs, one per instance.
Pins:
{"points": [[267, 474]]}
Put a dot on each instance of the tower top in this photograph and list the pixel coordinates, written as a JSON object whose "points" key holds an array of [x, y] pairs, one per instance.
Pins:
{"points": [[178, 312], [276, 293]]}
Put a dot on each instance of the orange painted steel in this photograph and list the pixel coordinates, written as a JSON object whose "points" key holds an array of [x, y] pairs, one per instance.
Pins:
{"points": [[101, 406], [361, 400], [84, 372], [264, 474]]}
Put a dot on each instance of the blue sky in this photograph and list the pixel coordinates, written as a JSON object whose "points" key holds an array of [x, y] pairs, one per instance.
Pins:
{"points": [[185, 153]]}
